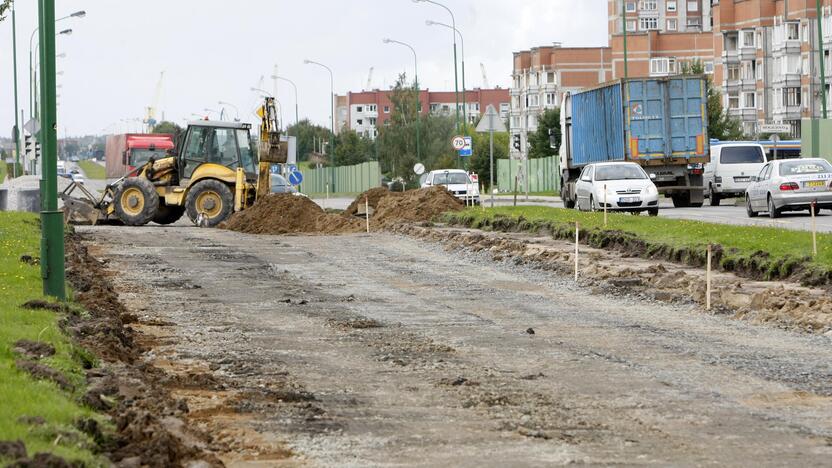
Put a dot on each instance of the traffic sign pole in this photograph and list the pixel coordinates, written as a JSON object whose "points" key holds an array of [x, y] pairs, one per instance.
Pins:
{"points": [[52, 221]]}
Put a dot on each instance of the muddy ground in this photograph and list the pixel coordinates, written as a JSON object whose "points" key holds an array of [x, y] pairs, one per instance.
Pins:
{"points": [[362, 350]]}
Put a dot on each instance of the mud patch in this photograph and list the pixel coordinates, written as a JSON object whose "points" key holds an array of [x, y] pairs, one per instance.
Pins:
{"points": [[354, 323], [39, 304], [34, 349], [39, 371]]}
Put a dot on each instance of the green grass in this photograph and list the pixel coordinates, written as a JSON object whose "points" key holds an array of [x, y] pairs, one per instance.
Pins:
{"points": [[92, 170], [20, 394], [2, 172], [782, 245]]}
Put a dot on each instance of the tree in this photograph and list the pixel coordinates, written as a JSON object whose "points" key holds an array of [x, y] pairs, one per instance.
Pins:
{"points": [[352, 148], [167, 127], [539, 142], [4, 7], [721, 125], [481, 160], [309, 138]]}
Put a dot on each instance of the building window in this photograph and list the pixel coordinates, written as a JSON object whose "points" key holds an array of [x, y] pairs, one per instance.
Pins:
{"points": [[672, 25], [793, 31], [731, 41], [749, 128], [550, 77], [693, 6], [373, 121], [749, 69], [504, 109], [631, 25], [760, 75], [695, 22], [371, 108], [360, 122], [532, 100], [791, 97], [733, 70], [649, 5], [733, 101], [671, 5], [709, 67], [359, 109], [550, 99], [662, 66], [749, 100], [631, 7], [747, 39], [648, 24], [387, 109]]}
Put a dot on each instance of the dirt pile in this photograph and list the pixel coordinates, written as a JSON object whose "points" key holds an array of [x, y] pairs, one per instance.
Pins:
{"points": [[289, 214]]}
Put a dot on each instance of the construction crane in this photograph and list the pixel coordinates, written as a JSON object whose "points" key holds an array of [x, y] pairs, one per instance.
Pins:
{"points": [[485, 83], [150, 118], [370, 80]]}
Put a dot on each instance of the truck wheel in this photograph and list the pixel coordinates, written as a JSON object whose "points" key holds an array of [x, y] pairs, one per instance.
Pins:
{"points": [[653, 212], [212, 199], [168, 214], [715, 198], [568, 203], [136, 201], [681, 200]]}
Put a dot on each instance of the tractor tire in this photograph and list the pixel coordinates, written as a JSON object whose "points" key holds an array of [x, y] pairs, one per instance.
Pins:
{"points": [[211, 198], [136, 201], [168, 214]]}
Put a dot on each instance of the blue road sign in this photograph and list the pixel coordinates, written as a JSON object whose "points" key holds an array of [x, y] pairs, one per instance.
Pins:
{"points": [[276, 169], [295, 178], [468, 150]]}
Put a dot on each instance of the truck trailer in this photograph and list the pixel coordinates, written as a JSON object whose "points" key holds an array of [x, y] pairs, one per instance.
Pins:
{"points": [[126, 152], [658, 123]]}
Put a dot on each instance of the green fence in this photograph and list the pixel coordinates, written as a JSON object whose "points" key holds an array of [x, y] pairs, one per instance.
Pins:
{"points": [[543, 173], [816, 136], [343, 179]]}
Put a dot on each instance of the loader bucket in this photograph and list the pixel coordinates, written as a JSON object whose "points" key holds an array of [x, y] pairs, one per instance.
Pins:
{"points": [[84, 209]]}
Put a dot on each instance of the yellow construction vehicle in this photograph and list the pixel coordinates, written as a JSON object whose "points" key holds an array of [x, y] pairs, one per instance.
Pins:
{"points": [[213, 173]]}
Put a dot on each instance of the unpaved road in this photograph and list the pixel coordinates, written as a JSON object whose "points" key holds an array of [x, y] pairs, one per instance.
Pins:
{"points": [[386, 351]]}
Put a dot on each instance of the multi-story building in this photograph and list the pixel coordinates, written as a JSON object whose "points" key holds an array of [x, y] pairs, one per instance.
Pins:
{"points": [[542, 75], [364, 111]]}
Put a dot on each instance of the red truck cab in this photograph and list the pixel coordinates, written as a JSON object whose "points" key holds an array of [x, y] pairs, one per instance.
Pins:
{"points": [[128, 151]]}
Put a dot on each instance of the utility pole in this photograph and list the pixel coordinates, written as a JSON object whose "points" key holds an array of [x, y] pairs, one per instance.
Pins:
{"points": [[16, 120], [822, 65], [52, 220], [624, 29]]}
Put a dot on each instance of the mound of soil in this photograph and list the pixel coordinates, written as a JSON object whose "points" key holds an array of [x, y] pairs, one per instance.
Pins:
{"points": [[34, 349], [373, 196], [415, 206], [289, 214]]}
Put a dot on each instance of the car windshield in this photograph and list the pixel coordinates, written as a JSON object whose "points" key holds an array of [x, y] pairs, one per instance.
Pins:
{"points": [[742, 155], [619, 172], [139, 156], [448, 178], [802, 166]]}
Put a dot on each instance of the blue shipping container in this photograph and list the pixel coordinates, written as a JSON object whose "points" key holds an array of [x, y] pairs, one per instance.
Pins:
{"points": [[654, 118]]}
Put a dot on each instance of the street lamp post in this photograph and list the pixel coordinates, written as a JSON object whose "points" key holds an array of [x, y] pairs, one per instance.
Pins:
{"points": [[33, 73], [278, 77], [331, 96], [236, 109], [17, 131], [456, 79], [52, 221], [77, 14], [461, 43], [418, 92]]}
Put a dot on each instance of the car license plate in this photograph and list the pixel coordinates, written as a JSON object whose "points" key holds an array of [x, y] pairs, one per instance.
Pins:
{"points": [[815, 183], [742, 179], [630, 199]]}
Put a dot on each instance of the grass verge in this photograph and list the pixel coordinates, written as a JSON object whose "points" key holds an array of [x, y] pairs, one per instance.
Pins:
{"points": [[3, 171], [22, 396], [758, 252], [92, 170]]}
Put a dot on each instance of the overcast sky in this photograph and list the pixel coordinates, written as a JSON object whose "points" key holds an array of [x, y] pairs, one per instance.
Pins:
{"points": [[216, 50]]}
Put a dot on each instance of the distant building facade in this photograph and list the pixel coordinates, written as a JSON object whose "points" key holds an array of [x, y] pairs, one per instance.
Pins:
{"points": [[363, 112]]}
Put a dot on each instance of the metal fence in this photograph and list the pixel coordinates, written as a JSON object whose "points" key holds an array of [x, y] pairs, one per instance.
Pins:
{"points": [[543, 175], [343, 179]]}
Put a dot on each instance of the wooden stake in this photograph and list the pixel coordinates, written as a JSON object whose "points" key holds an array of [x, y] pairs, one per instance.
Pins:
{"points": [[605, 206], [814, 230], [367, 212], [708, 279], [326, 203], [577, 238]]}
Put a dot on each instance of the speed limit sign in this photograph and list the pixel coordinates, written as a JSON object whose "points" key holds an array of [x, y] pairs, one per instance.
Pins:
{"points": [[458, 142]]}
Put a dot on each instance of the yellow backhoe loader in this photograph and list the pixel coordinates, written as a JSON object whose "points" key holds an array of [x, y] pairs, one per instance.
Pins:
{"points": [[213, 173]]}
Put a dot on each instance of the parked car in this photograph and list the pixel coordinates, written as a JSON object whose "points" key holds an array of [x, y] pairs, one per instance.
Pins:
{"points": [[281, 185], [731, 168], [457, 181], [623, 186], [790, 185], [77, 177]]}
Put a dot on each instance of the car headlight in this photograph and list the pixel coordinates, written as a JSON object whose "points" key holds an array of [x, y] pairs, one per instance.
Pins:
{"points": [[650, 190]]}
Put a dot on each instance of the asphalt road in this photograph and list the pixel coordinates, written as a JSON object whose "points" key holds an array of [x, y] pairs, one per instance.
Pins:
{"points": [[381, 350], [725, 214]]}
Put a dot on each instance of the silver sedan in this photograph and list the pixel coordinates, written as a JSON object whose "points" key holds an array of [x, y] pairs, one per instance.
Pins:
{"points": [[790, 185]]}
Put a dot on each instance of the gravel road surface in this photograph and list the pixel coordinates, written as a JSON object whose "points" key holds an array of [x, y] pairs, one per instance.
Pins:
{"points": [[382, 350]]}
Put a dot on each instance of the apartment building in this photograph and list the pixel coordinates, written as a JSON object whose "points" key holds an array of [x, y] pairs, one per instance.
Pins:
{"points": [[364, 111], [542, 75], [762, 54]]}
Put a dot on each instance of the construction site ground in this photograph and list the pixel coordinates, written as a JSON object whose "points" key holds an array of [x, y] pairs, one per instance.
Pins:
{"points": [[437, 346]]}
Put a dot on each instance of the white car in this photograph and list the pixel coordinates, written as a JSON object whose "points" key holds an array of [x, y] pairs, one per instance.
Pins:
{"points": [[77, 177], [623, 186], [457, 181], [790, 185], [731, 168]]}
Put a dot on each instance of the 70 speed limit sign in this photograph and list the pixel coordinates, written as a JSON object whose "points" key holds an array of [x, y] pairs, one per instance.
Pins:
{"points": [[458, 142]]}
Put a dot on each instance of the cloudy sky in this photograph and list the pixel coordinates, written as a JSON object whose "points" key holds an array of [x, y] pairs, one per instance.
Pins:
{"points": [[217, 50]]}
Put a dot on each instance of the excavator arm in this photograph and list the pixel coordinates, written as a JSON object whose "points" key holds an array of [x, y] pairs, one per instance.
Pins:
{"points": [[272, 150]]}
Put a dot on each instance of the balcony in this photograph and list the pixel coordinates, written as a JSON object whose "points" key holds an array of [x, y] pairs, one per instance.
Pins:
{"points": [[747, 53]]}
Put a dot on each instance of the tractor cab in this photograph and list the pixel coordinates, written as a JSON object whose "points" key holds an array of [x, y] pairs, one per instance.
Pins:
{"points": [[227, 144]]}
